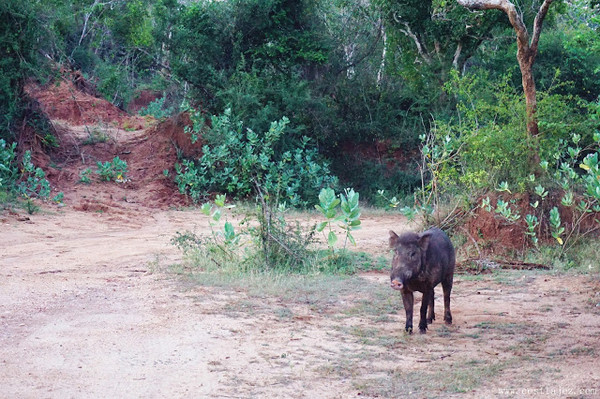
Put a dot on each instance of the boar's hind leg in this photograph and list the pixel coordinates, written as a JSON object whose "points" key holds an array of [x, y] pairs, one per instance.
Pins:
{"points": [[408, 300], [447, 287], [431, 311], [424, 303]]}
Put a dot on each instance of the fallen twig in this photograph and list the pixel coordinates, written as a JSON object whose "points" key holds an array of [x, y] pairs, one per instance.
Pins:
{"points": [[486, 264], [519, 265]]}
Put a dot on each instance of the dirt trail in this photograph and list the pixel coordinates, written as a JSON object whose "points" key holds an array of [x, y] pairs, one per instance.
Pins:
{"points": [[83, 315], [86, 310]]}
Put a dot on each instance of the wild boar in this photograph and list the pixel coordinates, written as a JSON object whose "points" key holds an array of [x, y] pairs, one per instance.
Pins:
{"points": [[420, 262]]}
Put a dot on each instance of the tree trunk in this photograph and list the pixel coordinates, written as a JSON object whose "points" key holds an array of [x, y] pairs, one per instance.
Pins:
{"points": [[526, 59]]}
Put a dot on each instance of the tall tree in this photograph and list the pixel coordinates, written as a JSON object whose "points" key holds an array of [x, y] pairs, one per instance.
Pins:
{"points": [[435, 34], [527, 47]]}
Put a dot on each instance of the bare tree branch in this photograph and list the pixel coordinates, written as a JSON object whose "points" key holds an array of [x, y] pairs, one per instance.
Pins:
{"points": [[537, 24], [367, 53], [420, 46], [457, 55], [515, 18]]}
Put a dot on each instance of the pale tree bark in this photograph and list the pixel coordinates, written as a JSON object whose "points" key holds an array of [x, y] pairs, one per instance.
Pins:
{"points": [[383, 55], [348, 58], [527, 47], [421, 49], [457, 56], [87, 16]]}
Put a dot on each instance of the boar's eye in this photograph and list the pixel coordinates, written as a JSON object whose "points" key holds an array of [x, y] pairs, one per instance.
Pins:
{"points": [[412, 254]]}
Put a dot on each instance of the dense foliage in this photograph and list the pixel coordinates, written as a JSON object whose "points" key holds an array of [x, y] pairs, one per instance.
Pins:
{"points": [[21, 36], [242, 162], [373, 75]]}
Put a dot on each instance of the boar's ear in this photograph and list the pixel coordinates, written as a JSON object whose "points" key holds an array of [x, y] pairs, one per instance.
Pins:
{"points": [[393, 239], [424, 241]]}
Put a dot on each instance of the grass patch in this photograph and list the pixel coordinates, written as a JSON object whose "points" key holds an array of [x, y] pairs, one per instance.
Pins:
{"points": [[514, 278], [96, 135], [438, 382], [323, 293], [583, 257], [472, 336], [502, 328], [583, 351], [364, 335], [392, 341], [284, 313], [471, 277], [444, 331], [242, 308], [380, 302]]}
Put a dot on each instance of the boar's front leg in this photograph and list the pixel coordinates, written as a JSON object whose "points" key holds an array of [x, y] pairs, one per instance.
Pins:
{"points": [[408, 300], [427, 295]]}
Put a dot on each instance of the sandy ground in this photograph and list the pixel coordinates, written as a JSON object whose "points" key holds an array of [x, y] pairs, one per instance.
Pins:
{"points": [[83, 315], [87, 310]]}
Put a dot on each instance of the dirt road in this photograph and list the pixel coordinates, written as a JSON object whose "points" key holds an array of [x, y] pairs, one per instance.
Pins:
{"points": [[83, 313], [87, 310]]}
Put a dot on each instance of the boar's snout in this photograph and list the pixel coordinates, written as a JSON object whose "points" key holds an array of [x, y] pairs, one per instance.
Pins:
{"points": [[397, 285]]}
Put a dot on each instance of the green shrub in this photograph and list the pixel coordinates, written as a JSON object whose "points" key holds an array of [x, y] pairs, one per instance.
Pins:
{"points": [[265, 240], [113, 83], [343, 211], [115, 170], [369, 177], [84, 176], [246, 163], [29, 183], [157, 109], [564, 203], [21, 37], [33, 183], [9, 170]]}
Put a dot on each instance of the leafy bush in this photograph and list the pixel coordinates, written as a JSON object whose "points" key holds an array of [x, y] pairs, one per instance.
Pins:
{"points": [[270, 244], [265, 240], [565, 201], [84, 176], [157, 109], [225, 240], [343, 210], [115, 170], [30, 182], [281, 245], [578, 174], [113, 83], [489, 144], [244, 163], [33, 182], [9, 171]]}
